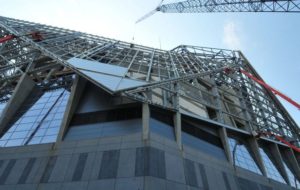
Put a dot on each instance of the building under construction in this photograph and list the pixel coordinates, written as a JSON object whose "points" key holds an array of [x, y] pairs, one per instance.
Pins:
{"points": [[79, 111]]}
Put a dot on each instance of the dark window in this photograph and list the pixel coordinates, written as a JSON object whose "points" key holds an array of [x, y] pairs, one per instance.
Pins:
{"points": [[124, 113]]}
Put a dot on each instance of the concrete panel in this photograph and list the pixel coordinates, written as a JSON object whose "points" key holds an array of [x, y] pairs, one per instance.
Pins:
{"points": [[71, 168], [190, 173], [204, 179], [170, 185], [109, 164], [26, 187], [226, 181], [245, 184], [150, 162], [48, 170], [16, 171], [49, 186], [25, 173], [75, 185], [60, 168], [7, 171], [37, 170], [96, 166], [134, 183], [79, 167], [102, 184], [152, 183], [174, 173], [89, 166], [126, 163]]}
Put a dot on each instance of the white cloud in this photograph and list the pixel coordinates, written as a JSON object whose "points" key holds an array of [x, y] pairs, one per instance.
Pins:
{"points": [[231, 35]]}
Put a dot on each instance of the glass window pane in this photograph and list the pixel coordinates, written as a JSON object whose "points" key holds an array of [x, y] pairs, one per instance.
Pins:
{"points": [[33, 117], [242, 157], [292, 178], [272, 171]]}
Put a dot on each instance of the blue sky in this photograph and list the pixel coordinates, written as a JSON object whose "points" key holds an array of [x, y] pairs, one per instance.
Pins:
{"points": [[269, 40]]}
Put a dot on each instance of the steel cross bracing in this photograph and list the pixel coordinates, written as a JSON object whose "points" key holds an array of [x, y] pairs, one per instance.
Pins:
{"points": [[185, 79], [197, 6]]}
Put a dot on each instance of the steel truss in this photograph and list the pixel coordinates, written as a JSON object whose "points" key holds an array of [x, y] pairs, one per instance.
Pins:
{"points": [[184, 77], [198, 6]]}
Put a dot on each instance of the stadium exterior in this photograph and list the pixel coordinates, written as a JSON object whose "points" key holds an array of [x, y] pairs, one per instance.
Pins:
{"points": [[80, 111]]}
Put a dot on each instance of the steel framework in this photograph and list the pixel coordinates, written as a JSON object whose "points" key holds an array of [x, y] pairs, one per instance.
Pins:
{"points": [[196, 6], [177, 79]]}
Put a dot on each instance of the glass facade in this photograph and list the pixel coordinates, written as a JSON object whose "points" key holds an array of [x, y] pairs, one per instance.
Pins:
{"points": [[293, 180], [272, 171], [242, 156], [39, 122]]}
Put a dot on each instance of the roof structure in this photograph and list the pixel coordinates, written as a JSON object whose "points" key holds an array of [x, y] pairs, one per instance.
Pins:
{"points": [[198, 81]]}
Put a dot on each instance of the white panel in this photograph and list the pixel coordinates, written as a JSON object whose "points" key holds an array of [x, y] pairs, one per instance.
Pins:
{"points": [[129, 83], [109, 76], [97, 67], [110, 82]]}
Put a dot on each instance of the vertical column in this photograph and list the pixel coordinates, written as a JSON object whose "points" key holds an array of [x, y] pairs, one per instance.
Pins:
{"points": [[218, 101], [177, 125], [279, 162], [224, 138], [291, 158], [257, 156], [177, 116], [146, 121], [76, 92]]}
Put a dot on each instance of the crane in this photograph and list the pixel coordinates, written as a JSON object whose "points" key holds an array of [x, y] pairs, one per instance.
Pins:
{"points": [[207, 6]]}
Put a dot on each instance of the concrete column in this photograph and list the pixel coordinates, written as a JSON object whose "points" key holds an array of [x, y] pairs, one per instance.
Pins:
{"points": [[177, 125], [146, 121], [225, 142], [291, 158], [23, 89], [76, 92], [218, 101], [256, 154], [279, 161]]}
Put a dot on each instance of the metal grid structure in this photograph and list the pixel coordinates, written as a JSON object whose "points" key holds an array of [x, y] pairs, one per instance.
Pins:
{"points": [[206, 78], [198, 6]]}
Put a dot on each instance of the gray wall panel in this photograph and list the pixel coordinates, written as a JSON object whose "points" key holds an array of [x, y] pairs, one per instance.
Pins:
{"points": [[7, 170], [203, 177], [25, 173], [150, 162], [174, 173], [48, 170], [190, 173], [109, 164], [126, 163], [60, 168], [80, 167], [16, 171]]}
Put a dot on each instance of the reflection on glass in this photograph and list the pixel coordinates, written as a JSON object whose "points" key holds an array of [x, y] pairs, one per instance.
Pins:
{"points": [[242, 157], [272, 171], [47, 113], [293, 180]]}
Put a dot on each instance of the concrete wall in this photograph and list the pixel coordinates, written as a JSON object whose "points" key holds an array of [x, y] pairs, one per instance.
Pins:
{"points": [[122, 162]]}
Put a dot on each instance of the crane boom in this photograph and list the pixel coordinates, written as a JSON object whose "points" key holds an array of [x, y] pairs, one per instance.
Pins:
{"points": [[198, 6], [204, 6]]}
